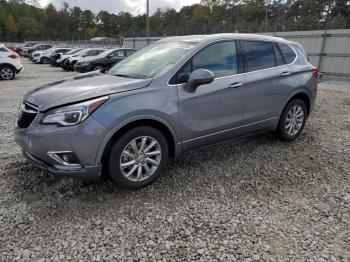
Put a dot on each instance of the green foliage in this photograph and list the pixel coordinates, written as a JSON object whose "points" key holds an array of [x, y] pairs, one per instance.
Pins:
{"points": [[26, 20]]}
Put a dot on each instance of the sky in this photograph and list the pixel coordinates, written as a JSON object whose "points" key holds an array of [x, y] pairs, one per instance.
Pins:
{"points": [[135, 7]]}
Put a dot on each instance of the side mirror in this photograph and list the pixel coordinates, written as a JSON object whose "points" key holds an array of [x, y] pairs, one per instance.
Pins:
{"points": [[199, 77], [109, 56]]}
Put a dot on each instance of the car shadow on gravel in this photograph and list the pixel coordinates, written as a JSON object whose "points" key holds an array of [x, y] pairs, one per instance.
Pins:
{"points": [[256, 165]]}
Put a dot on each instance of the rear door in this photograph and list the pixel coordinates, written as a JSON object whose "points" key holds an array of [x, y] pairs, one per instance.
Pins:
{"points": [[215, 110], [266, 81]]}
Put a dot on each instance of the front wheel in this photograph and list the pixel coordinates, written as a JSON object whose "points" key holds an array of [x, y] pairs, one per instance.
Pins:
{"points": [[45, 60], [138, 157], [7, 73], [292, 120], [98, 68]]}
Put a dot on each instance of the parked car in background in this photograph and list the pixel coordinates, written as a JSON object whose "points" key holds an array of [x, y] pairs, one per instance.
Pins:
{"points": [[24, 49], [60, 61], [38, 47], [13, 47], [10, 63], [70, 62], [104, 60], [55, 59], [178, 94], [43, 57]]}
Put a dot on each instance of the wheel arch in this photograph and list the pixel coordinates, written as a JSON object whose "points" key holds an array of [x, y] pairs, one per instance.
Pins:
{"points": [[8, 64], [152, 121], [302, 96]]}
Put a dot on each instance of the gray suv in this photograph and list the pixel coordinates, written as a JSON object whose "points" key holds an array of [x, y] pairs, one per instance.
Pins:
{"points": [[175, 95]]}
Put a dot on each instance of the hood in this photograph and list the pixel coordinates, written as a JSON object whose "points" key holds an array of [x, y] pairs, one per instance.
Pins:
{"points": [[80, 88]]}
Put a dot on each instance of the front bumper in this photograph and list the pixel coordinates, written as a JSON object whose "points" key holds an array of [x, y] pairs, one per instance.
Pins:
{"points": [[19, 70], [86, 173], [36, 59], [83, 140]]}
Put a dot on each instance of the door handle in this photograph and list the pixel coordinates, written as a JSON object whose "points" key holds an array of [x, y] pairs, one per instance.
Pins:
{"points": [[235, 85], [285, 74]]}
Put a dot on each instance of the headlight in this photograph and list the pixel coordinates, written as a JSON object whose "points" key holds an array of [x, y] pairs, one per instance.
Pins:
{"points": [[84, 63], [74, 114]]}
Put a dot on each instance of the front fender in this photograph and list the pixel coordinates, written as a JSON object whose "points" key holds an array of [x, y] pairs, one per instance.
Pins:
{"points": [[130, 120]]}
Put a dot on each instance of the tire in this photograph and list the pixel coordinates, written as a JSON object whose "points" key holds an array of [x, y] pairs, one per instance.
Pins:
{"points": [[7, 72], [44, 60], [292, 120], [122, 152], [97, 68]]}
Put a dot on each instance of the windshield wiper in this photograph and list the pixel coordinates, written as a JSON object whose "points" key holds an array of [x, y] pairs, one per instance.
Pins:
{"points": [[127, 76]]}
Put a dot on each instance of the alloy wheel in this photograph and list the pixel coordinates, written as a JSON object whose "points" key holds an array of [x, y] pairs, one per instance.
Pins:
{"points": [[141, 158], [294, 120], [6, 73]]}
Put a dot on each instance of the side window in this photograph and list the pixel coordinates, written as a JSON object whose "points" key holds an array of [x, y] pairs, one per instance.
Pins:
{"points": [[220, 58], [93, 52], [129, 52], [279, 58], [119, 53], [287, 53], [258, 55]]}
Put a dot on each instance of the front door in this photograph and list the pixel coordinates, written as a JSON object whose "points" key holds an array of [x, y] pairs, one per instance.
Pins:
{"points": [[214, 111]]}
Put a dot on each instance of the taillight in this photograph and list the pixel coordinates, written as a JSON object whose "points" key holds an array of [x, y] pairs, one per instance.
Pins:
{"points": [[315, 72], [13, 56]]}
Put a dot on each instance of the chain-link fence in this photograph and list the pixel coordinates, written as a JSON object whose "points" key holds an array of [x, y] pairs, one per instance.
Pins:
{"points": [[328, 50]]}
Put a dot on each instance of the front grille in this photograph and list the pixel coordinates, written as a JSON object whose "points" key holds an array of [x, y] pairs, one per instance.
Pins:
{"points": [[26, 115]]}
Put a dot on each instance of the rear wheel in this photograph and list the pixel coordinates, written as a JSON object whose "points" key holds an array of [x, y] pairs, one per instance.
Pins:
{"points": [[292, 120], [138, 157], [7, 72]]}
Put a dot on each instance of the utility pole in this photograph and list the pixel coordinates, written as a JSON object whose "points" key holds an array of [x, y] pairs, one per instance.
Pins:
{"points": [[266, 20], [147, 20]]}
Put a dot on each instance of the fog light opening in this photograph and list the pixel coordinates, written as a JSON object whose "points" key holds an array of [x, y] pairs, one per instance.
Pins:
{"points": [[66, 158]]}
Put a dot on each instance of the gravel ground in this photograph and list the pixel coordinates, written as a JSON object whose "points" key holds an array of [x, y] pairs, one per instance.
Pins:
{"points": [[252, 199]]}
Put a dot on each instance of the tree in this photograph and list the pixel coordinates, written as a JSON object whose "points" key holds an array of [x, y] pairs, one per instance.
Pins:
{"points": [[28, 28], [10, 26]]}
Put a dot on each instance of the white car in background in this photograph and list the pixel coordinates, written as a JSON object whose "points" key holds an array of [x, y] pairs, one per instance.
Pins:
{"points": [[10, 63], [68, 55], [43, 57]]}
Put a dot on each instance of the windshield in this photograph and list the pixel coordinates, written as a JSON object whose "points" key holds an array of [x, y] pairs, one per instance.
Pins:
{"points": [[152, 60]]}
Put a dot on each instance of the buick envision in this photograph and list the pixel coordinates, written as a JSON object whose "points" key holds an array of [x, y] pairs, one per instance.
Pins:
{"points": [[175, 95]]}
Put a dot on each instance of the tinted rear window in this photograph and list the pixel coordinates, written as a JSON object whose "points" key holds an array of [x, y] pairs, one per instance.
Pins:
{"points": [[287, 53], [278, 55], [258, 55]]}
